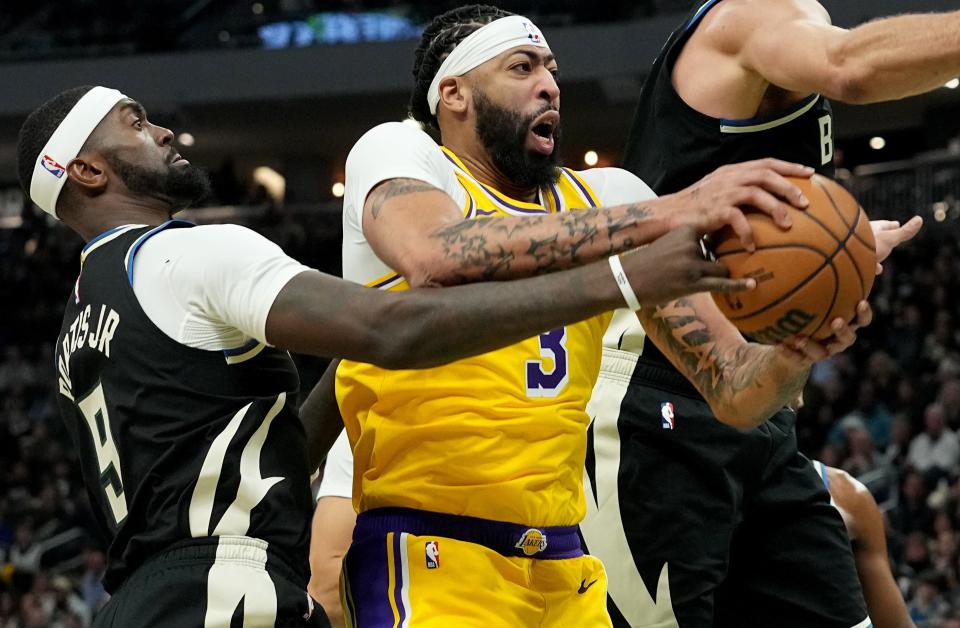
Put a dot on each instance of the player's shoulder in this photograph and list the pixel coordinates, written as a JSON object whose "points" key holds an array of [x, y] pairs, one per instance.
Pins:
{"points": [[615, 186], [212, 244], [730, 22], [751, 11], [395, 135], [213, 234], [849, 492]]}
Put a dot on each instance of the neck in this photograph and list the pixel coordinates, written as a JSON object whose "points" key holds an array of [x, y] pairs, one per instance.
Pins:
{"points": [[477, 160], [108, 213]]}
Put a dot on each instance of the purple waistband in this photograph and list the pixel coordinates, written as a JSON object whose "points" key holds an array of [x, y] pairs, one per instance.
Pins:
{"points": [[507, 539]]}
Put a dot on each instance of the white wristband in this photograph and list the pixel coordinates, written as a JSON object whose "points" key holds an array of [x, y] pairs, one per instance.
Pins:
{"points": [[623, 283]]}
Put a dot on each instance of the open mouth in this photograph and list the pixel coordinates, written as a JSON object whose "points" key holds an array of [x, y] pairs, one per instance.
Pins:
{"points": [[542, 130], [177, 159]]}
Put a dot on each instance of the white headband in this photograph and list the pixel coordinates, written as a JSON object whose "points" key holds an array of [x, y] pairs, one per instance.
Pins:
{"points": [[482, 45], [50, 170]]}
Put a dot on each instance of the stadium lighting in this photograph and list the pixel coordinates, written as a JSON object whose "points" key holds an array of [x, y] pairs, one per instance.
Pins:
{"points": [[940, 211], [877, 142], [337, 189], [257, 8], [591, 158], [185, 139], [273, 181]]}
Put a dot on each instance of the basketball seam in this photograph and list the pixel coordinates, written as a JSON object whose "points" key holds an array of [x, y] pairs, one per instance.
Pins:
{"points": [[863, 291], [828, 260]]}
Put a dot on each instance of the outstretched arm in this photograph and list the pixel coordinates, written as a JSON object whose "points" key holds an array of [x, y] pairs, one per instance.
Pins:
{"points": [[322, 315], [792, 45], [418, 230]]}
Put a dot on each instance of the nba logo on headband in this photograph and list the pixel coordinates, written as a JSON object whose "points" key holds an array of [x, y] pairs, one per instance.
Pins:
{"points": [[533, 33], [50, 165]]}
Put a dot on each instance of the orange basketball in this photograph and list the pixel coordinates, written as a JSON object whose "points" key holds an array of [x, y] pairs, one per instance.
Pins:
{"points": [[807, 275]]}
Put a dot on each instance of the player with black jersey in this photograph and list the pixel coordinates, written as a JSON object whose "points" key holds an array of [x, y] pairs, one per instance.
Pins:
{"points": [[700, 524], [172, 383]]}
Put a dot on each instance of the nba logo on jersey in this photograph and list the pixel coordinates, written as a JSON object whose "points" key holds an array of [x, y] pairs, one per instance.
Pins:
{"points": [[50, 165], [666, 415], [533, 33], [532, 542], [433, 554]]}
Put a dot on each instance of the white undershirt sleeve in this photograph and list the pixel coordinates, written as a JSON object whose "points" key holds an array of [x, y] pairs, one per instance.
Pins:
{"points": [[392, 151], [211, 286], [338, 471]]}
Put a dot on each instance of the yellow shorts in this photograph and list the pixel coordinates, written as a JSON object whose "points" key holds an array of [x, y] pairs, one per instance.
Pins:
{"points": [[395, 574]]}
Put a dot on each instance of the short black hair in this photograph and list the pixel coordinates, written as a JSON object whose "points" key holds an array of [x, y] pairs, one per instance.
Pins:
{"points": [[39, 126], [438, 40]]}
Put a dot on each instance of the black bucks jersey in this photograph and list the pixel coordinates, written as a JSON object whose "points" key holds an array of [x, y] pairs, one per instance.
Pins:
{"points": [[176, 442], [673, 145]]}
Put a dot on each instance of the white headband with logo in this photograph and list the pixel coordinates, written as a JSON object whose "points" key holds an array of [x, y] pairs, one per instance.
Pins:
{"points": [[50, 169], [482, 45]]}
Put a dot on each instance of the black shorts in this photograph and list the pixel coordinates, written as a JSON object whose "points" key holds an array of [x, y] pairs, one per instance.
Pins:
{"points": [[217, 581], [700, 524]]}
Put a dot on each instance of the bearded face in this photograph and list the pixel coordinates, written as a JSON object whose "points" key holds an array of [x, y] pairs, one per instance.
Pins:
{"points": [[506, 136], [180, 185]]}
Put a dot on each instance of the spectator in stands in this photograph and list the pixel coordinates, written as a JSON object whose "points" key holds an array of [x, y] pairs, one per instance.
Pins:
{"points": [[949, 399], [25, 552], [912, 513], [928, 603], [908, 337], [91, 585], [935, 451], [874, 412], [901, 433]]}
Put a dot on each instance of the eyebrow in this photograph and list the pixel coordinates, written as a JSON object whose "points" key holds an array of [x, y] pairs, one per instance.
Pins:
{"points": [[545, 59], [136, 107]]}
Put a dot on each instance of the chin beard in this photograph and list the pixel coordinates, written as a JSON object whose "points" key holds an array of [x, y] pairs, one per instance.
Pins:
{"points": [[504, 134], [181, 186]]}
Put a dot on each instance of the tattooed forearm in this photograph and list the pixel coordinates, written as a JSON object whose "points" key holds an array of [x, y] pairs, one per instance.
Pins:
{"points": [[743, 379], [505, 247], [393, 188], [689, 341]]}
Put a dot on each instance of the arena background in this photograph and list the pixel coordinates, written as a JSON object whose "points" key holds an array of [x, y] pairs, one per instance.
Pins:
{"points": [[269, 95]]}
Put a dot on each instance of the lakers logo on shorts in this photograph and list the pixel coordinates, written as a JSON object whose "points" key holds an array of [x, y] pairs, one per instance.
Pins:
{"points": [[532, 542]]}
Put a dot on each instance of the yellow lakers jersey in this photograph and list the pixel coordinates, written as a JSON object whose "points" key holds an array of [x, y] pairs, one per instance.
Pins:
{"points": [[500, 436]]}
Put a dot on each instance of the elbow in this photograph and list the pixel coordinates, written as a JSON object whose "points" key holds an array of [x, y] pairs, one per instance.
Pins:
{"points": [[422, 269], [850, 81]]}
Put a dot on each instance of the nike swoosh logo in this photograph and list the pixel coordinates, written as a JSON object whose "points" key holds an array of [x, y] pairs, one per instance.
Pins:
{"points": [[584, 586]]}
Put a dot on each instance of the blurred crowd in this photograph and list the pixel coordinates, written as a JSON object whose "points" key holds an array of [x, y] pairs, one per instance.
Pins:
{"points": [[887, 411]]}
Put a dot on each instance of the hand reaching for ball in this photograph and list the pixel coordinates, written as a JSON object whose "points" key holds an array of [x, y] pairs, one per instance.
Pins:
{"points": [[889, 234], [721, 198], [807, 350]]}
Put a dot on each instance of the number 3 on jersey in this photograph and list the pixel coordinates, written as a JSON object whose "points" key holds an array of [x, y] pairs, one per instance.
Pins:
{"points": [[93, 407], [549, 383]]}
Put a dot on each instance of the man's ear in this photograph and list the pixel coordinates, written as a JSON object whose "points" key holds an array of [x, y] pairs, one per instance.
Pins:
{"points": [[455, 94], [89, 173]]}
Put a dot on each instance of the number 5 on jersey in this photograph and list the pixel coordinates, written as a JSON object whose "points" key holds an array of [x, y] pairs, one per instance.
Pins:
{"points": [[549, 383], [93, 407]]}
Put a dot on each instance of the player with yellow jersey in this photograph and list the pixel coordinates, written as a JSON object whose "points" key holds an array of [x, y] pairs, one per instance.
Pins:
{"points": [[468, 477]]}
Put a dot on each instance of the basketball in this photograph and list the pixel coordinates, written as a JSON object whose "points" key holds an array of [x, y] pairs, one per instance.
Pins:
{"points": [[808, 275]]}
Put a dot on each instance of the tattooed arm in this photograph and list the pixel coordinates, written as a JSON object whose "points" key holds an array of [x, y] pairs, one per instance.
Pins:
{"points": [[323, 315], [745, 383], [418, 230]]}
